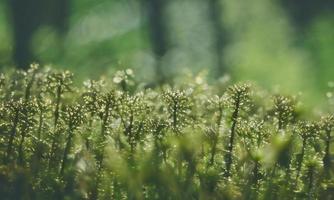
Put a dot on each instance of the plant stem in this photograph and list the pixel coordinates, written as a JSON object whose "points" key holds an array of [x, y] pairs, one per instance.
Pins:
{"points": [[280, 121], [29, 85], [12, 136], [327, 159], [38, 152], [56, 112], [56, 117], [300, 160], [100, 155], [23, 136], [175, 110], [310, 184], [229, 154], [220, 116], [213, 152], [67, 149]]}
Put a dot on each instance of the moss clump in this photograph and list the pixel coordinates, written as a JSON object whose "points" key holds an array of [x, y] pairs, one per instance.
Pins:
{"points": [[114, 139]]}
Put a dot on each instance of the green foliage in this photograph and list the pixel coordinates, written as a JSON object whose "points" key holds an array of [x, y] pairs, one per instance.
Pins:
{"points": [[178, 108], [284, 110], [114, 139]]}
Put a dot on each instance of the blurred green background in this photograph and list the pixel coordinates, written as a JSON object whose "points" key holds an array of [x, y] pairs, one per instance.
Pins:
{"points": [[280, 44]]}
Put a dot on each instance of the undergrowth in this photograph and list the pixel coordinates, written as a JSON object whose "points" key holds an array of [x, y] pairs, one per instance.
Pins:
{"points": [[116, 139]]}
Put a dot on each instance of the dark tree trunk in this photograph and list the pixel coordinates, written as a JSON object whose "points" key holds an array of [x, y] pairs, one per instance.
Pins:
{"points": [[219, 36], [27, 16], [156, 18], [302, 12]]}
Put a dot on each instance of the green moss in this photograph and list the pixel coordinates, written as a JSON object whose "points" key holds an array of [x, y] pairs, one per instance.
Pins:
{"points": [[119, 139]]}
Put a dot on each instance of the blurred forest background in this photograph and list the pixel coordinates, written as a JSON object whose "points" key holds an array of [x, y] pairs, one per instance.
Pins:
{"points": [[285, 43]]}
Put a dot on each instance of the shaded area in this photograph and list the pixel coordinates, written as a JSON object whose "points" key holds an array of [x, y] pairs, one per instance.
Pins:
{"points": [[156, 16], [219, 36], [275, 42], [27, 17], [303, 12]]}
